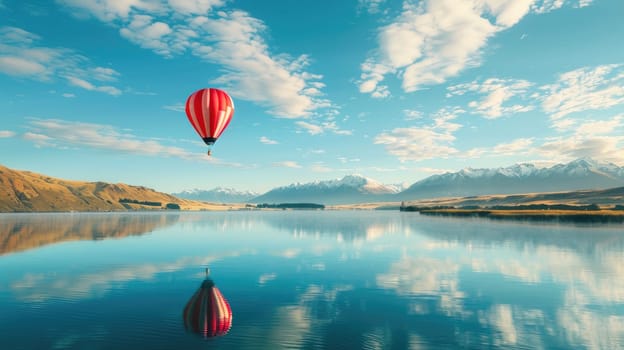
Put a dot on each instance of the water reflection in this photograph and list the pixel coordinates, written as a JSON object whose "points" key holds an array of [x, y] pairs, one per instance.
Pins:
{"points": [[358, 226], [85, 283], [332, 280], [19, 232], [207, 312]]}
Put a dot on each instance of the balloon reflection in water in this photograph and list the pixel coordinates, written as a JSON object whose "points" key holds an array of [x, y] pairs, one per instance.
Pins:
{"points": [[207, 312]]}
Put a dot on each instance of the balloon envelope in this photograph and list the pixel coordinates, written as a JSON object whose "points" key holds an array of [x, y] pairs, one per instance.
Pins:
{"points": [[210, 112], [207, 312]]}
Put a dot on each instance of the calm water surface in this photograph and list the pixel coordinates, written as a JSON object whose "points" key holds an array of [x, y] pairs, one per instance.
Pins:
{"points": [[309, 280]]}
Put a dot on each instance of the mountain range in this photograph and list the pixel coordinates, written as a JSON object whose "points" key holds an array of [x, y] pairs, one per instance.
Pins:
{"points": [[520, 178], [24, 191], [349, 189], [218, 195]]}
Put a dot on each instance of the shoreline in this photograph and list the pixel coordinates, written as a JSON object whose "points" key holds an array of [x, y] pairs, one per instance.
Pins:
{"points": [[579, 216]]}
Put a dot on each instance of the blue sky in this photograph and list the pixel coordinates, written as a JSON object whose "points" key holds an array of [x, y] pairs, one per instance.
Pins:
{"points": [[394, 90]]}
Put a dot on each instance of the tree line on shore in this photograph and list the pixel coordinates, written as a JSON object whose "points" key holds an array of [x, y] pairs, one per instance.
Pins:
{"points": [[149, 203], [291, 206], [588, 207]]}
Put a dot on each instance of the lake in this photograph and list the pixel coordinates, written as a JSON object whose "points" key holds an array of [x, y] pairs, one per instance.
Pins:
{"points": [[307, 280]]}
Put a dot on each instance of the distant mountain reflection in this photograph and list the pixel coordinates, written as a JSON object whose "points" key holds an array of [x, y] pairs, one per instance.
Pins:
{"points": [[19, 232], [368, 225]]}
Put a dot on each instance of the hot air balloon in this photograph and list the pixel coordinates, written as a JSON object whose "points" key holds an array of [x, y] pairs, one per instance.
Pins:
{"points": [[209, 111], [207, 313]]}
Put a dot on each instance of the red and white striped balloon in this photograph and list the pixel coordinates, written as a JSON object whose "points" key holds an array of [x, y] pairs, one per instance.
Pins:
{"points": [[210, 112]]}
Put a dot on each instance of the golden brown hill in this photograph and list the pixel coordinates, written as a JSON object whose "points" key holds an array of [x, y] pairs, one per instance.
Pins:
{"points": [[25, 191]]}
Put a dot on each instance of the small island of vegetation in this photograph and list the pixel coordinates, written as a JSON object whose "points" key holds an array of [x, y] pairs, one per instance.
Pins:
{"points": [[125, 201], [591, 213], [291, 206]]}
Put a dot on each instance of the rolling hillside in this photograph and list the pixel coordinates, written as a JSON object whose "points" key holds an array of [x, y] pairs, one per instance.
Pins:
{"points": [[25, 191]]}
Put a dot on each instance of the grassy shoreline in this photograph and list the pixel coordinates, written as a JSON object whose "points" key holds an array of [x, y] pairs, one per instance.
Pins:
{"points": [[583, 216]]}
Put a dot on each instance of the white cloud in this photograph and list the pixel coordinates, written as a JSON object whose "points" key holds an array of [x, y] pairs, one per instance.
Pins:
{"points": [[287, 164], [427, 142], [417, 143], [312, 129], [68, 95], [372, 6], [434, 170], [584, 3], [600, 127], [6, 133], [563, 124], [381, 91], [497, 92], [315, 129], [39, 139], [597, 139], [69, 134], [345, 160], [514, 148], [141, 93], [109, 10], [608, 148], [331, 126], [584, 89], [550, 5], [411, 114], [232, 39], [433, 40], [72, 134], [176, 108], [267, 141], [104, 74], [426, 44], [148, 34], [200, 7], [17, 36], [21, 57], [320, 167], [19, 66], [111, 90], [80, 83], [253, 74]]}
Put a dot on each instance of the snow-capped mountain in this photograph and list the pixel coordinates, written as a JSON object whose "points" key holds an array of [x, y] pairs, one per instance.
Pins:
{"points": [[520, 178], [349, 189], [219, 195]]}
